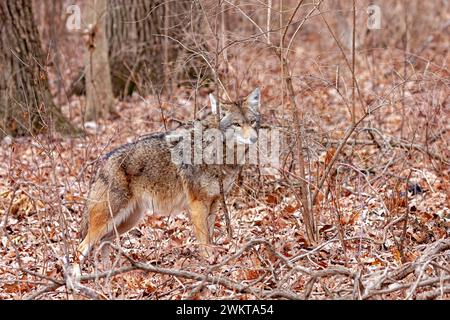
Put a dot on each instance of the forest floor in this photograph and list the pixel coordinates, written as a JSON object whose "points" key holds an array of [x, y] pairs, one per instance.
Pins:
{"points": [[383, 226]]}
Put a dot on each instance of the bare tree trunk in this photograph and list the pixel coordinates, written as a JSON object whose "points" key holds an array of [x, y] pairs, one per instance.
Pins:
{"points": [[144, 43], [26, 105], [150, 45], [99, 94], [137, 54]]}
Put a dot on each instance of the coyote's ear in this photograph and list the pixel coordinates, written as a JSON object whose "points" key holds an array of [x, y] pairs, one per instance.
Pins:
{"points": [[213, 103], [254, 100]]}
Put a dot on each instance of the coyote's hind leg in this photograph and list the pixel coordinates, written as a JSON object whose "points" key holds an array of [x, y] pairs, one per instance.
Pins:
{"points": [[97, 229]]}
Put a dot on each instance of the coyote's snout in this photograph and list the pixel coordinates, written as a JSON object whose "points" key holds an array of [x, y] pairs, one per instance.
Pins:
{"points": [[142, 176]]}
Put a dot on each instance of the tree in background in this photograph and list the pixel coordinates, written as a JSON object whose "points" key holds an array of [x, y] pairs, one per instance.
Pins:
{"points": [[99, 94], [26, 105], [152, 46], [146, 39]]}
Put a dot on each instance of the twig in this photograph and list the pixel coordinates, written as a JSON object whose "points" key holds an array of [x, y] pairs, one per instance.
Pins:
{"points": [[49, 288]]}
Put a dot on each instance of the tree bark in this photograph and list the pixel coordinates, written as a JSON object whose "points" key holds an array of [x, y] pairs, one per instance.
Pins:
{"points": [[136, 55], [143, 48], [26, 105], [99, 94], [147, 41]]}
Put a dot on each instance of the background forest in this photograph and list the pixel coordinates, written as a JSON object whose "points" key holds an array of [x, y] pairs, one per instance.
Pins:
{"points": [[358, 207]]}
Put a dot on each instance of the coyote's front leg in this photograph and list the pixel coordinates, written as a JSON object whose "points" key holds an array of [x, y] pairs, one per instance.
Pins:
{"points": [[200, 210]]}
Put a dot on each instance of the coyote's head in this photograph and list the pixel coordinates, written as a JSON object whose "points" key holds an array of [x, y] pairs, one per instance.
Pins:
{"points": [[240, 120]]}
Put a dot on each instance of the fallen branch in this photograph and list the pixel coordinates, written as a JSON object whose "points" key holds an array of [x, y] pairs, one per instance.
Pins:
{"points": [[374, 286]]}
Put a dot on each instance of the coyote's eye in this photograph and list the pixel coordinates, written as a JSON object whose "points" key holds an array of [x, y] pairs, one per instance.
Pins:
{"points": [[236, 124], [253, 123]]}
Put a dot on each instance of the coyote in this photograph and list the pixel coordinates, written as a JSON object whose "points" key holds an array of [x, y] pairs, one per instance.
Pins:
{"points": [[143, 175]]}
